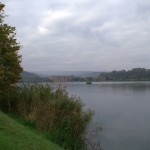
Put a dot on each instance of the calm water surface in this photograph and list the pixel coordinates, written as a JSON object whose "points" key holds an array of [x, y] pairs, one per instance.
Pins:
{"points": [[123, 109]]}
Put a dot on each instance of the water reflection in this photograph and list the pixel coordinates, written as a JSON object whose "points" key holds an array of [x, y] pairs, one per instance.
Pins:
{"points": [[124, 111]]}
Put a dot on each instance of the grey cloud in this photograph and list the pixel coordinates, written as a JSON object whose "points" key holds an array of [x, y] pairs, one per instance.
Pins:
{"points": [[81, 34]]}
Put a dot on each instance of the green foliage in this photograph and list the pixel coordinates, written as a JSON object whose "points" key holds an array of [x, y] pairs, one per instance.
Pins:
{"points": [[10, 68], [136, 74], [53, 111], [16, 136]]}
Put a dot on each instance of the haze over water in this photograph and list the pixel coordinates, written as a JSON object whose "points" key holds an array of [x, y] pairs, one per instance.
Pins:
{"points": [[123, 110]]}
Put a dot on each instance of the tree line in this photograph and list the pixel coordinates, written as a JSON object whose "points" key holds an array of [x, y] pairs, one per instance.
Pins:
{"points": [[135, 74]]}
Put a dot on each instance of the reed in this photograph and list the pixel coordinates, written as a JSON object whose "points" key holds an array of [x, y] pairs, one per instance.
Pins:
{"points": [[54, 112]]}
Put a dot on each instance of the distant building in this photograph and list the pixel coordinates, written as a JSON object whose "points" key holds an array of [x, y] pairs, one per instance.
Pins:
{"points": [[60, 78]]}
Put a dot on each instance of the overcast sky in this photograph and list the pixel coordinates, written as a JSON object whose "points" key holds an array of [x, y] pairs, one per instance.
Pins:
{"points": [[81, 35]]}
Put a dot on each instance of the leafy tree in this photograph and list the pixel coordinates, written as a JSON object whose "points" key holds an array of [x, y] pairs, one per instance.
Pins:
{"points": [[136, 74], [10, 67]]}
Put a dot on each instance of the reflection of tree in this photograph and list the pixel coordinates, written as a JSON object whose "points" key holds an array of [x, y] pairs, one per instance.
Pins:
{"points": [[132, 87], [93, 136]]}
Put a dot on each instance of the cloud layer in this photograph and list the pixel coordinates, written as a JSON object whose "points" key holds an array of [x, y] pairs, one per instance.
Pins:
{"points": [[82, 34]]}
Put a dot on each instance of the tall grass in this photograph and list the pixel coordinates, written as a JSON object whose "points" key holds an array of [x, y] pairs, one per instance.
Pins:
{"points": [[53, 111]]}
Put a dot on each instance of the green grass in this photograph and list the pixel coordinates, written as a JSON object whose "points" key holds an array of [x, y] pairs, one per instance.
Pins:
{"points": [[16, 136]]}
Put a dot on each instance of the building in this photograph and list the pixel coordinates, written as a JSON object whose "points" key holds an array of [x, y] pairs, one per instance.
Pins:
{"points": [[60, 78]]}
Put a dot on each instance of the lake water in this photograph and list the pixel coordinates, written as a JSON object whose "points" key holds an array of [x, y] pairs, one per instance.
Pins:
{"points": [[123, 109]]}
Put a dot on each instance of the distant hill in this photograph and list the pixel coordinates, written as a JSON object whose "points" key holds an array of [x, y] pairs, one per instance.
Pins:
{"points": [[27, 75], [69, 73], [43, 76], [31, 77]]}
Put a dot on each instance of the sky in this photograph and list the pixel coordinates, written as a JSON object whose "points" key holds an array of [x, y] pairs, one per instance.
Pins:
{"points": [[81, 35]]}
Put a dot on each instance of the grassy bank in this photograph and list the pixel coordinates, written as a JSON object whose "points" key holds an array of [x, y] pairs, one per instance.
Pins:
{"points": [[51, 111], [15, 136]]}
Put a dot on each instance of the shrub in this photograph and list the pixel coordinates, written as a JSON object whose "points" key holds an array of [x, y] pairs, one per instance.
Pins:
{"points": [[53, 111]]}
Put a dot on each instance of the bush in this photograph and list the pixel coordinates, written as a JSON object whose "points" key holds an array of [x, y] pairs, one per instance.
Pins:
{"points": [[54, 112]]}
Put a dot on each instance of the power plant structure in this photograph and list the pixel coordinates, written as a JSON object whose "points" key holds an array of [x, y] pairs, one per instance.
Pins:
{"points": [[60, 78]]}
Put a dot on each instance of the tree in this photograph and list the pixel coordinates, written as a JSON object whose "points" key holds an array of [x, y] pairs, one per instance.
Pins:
{"points": [[10, 67]]}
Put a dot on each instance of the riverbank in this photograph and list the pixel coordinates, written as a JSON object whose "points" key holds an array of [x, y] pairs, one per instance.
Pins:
{"points": [[51, 110], [15, 136]]}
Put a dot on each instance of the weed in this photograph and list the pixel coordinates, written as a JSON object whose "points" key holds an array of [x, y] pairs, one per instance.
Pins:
{"points": [[53, 111]]}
